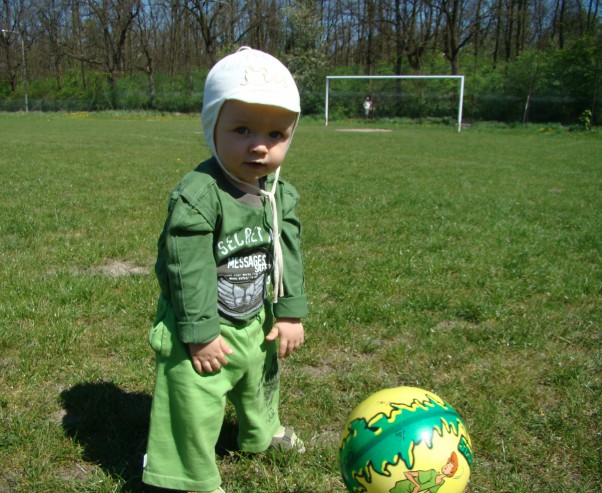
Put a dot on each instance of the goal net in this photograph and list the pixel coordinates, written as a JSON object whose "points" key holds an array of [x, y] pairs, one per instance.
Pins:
{"points": [[395, 96]]}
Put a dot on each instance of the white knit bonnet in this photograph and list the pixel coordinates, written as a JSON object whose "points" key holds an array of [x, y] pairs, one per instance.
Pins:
{"points": [[254, 77]]}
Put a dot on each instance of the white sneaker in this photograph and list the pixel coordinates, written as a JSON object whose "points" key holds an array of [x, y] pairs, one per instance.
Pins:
{"points": [[286, 439]]}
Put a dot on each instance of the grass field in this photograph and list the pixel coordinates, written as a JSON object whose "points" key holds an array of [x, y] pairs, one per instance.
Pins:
{"points": [[467, 264]]}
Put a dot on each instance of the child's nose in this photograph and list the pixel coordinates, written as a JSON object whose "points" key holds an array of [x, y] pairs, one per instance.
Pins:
{"points": [[258, 146]]}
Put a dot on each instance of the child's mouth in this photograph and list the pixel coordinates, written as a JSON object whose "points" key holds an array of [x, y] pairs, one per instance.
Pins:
{"points": [[255, 165]]}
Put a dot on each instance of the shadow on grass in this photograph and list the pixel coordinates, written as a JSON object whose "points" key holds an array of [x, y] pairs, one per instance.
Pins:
{"points": [[112, 427]]}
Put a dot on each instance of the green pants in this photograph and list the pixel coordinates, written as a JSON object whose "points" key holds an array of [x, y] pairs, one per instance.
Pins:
{"points": [[188, 408]]}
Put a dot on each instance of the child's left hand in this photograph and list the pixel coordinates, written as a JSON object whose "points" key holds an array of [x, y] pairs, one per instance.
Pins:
{"points": [[291, 334]]}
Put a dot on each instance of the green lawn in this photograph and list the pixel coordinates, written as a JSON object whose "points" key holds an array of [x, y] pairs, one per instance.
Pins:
{"points": [[467, 264]]}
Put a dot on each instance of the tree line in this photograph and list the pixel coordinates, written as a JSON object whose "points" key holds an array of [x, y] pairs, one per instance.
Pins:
{"points": [[73, 48]]}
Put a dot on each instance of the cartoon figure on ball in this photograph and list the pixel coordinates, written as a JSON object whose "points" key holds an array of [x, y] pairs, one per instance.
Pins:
{"points": [[405, 440]]}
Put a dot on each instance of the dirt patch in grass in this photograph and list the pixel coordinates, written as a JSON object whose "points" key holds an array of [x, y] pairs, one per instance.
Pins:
{"points": [[118, 268], [318, 371], [326, 436], [363, 130], [75, 472]]}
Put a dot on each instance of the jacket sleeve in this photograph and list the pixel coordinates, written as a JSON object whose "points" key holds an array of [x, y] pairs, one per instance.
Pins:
{"points": [[294, 302], [190, 272]]}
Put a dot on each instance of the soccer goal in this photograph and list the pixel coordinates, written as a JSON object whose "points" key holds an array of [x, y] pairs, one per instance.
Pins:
{"points": [[458, 78]]}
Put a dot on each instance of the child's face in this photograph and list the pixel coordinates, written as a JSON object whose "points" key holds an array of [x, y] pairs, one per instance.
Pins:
{"points": [[252, 139]]}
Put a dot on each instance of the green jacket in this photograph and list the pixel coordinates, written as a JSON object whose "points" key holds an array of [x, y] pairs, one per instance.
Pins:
{"points": [[215, 254]]}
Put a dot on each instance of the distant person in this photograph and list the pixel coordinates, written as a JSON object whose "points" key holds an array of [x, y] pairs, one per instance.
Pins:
{"points": [[231, 276], [367, 105]]}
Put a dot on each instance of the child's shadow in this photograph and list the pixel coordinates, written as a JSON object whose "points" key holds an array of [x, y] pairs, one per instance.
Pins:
{"points": [[112, 427]]}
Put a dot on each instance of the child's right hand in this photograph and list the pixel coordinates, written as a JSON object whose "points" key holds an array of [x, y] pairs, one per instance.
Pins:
{"points": [[209, 357]]}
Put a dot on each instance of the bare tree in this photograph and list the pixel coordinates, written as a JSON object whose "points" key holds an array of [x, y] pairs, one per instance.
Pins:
{"points": [[51, 16], [416, 25], [571, 20], [209, 17], [456, 29], [112, 21], [592, 14], [12, 22], [339, 32], [265, 24], [148, 32]]}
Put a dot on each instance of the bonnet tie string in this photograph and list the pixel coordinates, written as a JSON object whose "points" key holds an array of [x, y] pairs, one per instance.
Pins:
{"points": [[278, 262], [271, 197]]}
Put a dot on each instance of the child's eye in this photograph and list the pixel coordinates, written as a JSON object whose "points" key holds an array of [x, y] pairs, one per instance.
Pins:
{"points": [[241, 130], [276, 134]]}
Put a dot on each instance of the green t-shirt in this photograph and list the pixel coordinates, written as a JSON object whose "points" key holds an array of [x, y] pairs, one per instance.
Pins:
{"points": [[215, 254]]}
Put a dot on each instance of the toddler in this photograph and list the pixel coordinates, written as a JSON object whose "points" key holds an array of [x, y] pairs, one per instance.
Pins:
{"points": [[231, 275]]}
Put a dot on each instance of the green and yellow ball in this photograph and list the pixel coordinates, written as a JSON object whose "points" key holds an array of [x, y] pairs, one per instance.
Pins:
{"points": [[404, 438]]}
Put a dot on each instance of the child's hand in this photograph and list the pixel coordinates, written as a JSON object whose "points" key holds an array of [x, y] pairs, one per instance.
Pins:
{"points": [[209, 357], [290, 331]]}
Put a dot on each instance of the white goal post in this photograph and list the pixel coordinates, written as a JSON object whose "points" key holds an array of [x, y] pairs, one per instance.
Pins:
{"points": [[459, 77]]}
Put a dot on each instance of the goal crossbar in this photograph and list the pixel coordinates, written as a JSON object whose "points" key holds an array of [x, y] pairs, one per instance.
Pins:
{"points": [[458, 77]]}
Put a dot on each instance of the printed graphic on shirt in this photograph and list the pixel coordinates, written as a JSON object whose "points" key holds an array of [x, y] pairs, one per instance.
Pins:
{"points": [[242, 282], [242, 239]]}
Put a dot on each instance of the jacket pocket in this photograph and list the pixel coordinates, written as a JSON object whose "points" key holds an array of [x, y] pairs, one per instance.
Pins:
{"points": [[161, 333]]}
